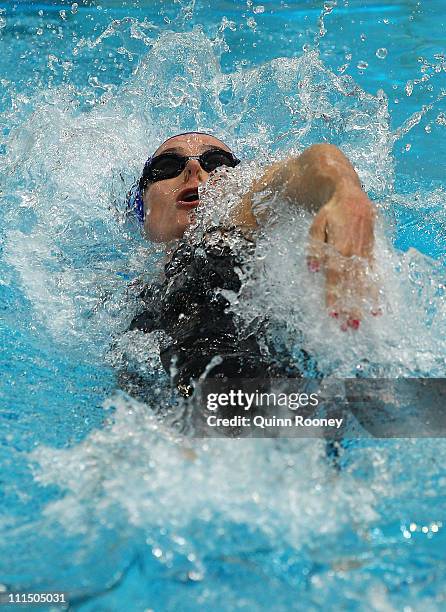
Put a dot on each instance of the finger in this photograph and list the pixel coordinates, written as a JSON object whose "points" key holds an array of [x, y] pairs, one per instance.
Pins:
{"points": [[365, 237], [343, 291], [365, 287], [316, 243], [373, 292], [333, 288]]}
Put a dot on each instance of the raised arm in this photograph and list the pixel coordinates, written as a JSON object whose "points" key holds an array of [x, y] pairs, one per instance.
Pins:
{"points": [[323, 181]]}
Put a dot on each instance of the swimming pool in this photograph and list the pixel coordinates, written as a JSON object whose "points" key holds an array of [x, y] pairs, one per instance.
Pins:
{"points": [[97, 499]]}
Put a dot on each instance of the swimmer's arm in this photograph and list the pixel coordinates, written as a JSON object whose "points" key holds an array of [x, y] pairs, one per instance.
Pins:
{"points": [[323, 181], [322, 173]]}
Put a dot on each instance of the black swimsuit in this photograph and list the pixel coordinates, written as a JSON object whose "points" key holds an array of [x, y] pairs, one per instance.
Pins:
{"points": [[190, 307]]}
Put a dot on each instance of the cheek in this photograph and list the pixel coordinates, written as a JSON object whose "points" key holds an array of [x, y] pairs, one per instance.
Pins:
{"points": [[157, 202]]}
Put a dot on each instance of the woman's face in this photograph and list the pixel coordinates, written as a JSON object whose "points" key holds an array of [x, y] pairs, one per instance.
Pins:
{"points": [[167, 214]]}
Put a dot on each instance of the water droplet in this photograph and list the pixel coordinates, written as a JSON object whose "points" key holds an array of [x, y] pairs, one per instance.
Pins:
{"points": [[363, 37], [40, 13], [428, 129], [2, 22], [408, 147], [63, 15], [39, 31], [381, 53], [251, 22], [386, 21], [409, 88], [259, 9], [441, 119], [74, 8], [362, 65]]}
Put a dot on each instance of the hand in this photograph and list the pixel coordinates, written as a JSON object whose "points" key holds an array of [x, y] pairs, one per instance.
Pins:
{"points": [[341, 244]]}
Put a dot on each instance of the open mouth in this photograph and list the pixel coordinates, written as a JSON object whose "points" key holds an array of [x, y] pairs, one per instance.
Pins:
{"points": [[188, 198]]}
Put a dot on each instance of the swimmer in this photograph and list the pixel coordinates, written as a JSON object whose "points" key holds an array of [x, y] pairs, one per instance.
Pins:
{"points": [[185, 303]]}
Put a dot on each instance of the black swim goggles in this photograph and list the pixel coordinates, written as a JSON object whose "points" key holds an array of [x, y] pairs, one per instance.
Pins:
{"points": [[169, 165]]}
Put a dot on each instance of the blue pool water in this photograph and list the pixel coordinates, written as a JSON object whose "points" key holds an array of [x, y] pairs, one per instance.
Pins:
{"points": [[97, 498]]}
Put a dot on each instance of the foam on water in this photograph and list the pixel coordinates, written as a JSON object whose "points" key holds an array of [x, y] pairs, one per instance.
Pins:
{"points": [[184, 501], [188, 506]]}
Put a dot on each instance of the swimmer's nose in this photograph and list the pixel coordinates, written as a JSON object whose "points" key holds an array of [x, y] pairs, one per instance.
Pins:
{"points": [[193, 169]]}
